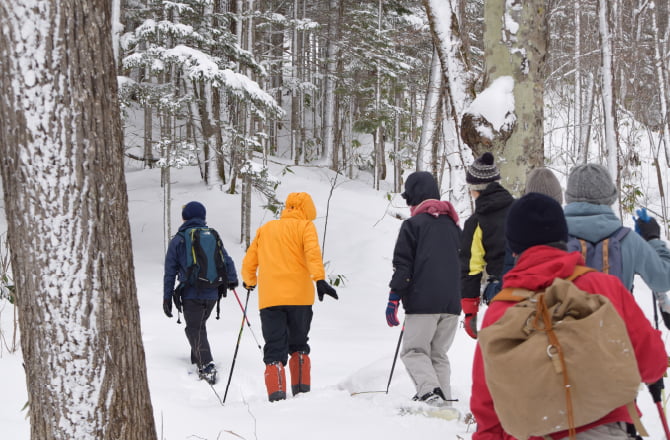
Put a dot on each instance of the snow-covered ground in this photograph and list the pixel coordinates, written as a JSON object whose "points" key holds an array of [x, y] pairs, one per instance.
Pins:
{"points": [[352, 347]]}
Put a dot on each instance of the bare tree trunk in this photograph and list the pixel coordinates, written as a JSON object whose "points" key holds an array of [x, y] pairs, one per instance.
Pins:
{"points": [[433, 94], [329, 92], [577, 126], [662, 78], [519, 51], [609, 100], [63, 180]]}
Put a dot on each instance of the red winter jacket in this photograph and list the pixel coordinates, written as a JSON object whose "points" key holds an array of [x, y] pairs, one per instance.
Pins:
{"points": [[536, 269]]}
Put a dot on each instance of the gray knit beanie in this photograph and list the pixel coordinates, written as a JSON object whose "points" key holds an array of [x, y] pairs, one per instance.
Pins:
{"points": [[482, 172], [542, 180], [590, 183]]}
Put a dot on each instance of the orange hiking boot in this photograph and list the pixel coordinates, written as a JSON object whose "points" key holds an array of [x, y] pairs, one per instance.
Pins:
{"points": [[299, 364], [275, 381]]}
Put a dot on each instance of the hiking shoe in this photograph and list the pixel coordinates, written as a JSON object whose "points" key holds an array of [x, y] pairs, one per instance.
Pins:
{"points": [[208, 373], [433, 399]]}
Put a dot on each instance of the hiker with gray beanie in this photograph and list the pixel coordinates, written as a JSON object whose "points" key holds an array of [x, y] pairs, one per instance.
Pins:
{"points": [[589, 195], [542, 180]]}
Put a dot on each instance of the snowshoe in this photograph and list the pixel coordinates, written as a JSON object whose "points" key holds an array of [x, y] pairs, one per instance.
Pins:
{"points": [[208, 373]]}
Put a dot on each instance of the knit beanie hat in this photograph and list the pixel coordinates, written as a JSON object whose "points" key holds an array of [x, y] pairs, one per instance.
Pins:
{"points": [[542, 180], [590, 183], [420, 186], [482, 172], [534, 219], [193, 210]]}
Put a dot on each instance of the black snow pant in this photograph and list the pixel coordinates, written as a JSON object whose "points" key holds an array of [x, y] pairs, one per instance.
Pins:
{"points": [[196, 313], [285, 330]]}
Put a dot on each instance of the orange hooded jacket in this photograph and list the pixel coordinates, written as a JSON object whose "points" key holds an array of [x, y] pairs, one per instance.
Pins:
{"points": [[286, 255]]}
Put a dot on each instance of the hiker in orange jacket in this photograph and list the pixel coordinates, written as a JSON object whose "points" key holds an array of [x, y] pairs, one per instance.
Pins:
{"points": [[536, 232], [284, 259]]}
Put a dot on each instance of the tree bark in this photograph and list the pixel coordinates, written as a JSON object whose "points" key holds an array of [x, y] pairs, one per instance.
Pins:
{"points": [[64, 186]]}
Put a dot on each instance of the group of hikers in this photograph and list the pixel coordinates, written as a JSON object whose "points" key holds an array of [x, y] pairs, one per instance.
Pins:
{"points": [[560, 268]]}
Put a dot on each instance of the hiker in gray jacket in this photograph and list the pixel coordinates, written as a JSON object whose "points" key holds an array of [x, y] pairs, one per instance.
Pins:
{"points": [[589, 195]]}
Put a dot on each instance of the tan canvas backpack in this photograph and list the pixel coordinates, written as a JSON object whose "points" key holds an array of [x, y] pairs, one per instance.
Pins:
{"points": [[559, 359]]}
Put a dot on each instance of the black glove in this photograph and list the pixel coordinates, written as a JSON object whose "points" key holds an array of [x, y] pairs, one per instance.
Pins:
{"points": [[232, 284], [249, 288], [655, 389], [649, 229], [323, 288], [167, 307], [223, 291]]}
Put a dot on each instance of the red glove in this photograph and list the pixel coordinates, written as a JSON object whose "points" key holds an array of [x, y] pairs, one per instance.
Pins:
{"points": [[470, 308]]}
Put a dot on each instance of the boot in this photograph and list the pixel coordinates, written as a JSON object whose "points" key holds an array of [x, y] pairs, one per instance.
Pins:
{"points": [[299, 365], [275, 381]]}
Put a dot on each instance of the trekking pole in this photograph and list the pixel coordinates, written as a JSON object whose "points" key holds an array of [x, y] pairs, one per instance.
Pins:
{"points": [[248, 323], [395, 356], [237, 346], [664, 420]]}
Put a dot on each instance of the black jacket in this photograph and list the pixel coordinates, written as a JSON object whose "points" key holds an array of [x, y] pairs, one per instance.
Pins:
{"points": [[483, 245], [425, 258]]}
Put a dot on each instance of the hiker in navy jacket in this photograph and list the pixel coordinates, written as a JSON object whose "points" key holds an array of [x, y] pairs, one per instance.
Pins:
{"points": [[426, 279], [197, 304]]}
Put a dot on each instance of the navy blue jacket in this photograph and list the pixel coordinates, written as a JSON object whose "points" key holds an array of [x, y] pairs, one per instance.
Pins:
{"points": [[175, 266]]}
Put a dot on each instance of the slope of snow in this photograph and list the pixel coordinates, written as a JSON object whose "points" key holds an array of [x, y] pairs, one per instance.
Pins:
{"points": [[352, 347]]}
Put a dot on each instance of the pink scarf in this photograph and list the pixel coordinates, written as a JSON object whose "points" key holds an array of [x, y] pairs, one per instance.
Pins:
{"points": [[435, 208]]}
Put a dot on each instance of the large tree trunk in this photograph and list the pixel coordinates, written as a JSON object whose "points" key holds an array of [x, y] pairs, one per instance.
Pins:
{"points": [[329, 86], [516, 42], [69, 235]]}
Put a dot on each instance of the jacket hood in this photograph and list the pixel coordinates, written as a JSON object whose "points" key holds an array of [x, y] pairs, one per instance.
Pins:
{"points": [[591, 222], [420, 186], [192, 223], [299, 206], [493, 198], [537, 267]]}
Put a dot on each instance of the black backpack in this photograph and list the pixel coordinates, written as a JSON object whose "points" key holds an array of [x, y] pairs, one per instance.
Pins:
{"points": [[205, 263]]}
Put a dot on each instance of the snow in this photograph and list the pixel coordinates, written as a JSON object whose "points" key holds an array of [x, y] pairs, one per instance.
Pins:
{"points": [[352, 346], [495, 103]]}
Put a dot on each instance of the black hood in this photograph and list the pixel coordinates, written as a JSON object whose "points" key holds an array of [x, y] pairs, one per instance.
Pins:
{"points": [[420, 186]]}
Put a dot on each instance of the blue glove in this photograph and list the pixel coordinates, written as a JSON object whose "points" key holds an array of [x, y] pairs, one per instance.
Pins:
{"points": [[646, 226], [392, 310]]}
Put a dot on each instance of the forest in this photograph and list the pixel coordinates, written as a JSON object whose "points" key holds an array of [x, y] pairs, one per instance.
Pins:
{"points": [[375, 87]]}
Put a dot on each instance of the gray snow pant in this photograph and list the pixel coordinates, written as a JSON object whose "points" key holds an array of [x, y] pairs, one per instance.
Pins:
{"points": [[609, 431], [424, 351]]}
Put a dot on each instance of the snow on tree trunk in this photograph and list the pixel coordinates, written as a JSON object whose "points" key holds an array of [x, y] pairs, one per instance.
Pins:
{"points": [[67, 216], [433, 93], [607, 87], [329, 92], [662, 78], [515, 42], [577, 126]]}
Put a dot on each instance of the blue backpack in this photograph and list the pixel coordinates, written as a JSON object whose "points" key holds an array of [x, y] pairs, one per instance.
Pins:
{"points": [[205, 258], [605, 255]]}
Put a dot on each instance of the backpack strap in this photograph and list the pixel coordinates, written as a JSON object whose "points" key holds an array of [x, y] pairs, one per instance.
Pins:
{"points": [[517, 294]]}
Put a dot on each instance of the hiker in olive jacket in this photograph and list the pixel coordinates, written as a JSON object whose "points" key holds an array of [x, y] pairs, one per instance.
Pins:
{"points": [[483, 245], [284, 259], [537, 234]]}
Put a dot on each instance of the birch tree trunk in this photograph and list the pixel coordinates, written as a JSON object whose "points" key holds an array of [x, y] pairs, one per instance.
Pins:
{"points": [[662, 78], [63, 180], [433, 94], [577, 130]]}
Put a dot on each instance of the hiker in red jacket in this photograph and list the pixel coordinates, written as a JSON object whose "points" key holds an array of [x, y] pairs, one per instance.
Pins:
{"points": [[536, 232]]}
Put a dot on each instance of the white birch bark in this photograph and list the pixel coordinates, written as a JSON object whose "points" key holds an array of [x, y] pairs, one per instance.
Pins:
{"points": [[329, 86], [607, 87], [423, 155]]}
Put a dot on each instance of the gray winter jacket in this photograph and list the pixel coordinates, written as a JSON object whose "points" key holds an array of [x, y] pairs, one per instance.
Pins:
{"points": [[650, 260]]}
